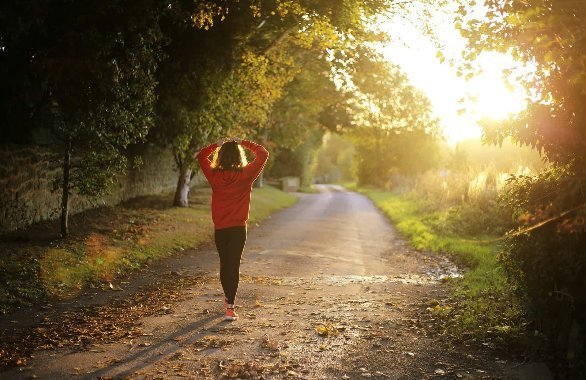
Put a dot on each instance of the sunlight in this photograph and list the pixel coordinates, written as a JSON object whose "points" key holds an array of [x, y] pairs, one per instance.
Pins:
{"points": [[458, 102], [492, 98]]}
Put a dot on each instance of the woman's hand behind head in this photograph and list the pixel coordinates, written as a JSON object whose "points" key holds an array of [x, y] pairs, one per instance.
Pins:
{"points": [[222, 141]]}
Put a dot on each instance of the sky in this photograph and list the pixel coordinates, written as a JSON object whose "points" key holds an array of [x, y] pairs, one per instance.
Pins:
{"points": [[416, 54]]}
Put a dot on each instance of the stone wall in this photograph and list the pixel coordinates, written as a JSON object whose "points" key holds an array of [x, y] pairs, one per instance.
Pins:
{"points": [[27, 183]]}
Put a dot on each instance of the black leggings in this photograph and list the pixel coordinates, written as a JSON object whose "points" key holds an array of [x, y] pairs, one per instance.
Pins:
{"points": [[230, 244]]}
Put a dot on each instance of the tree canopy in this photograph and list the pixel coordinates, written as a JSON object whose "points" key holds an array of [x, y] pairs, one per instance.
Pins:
{"points": [[79, 75], [93, 77], [551, 36], [396, 132], [226, 72]]}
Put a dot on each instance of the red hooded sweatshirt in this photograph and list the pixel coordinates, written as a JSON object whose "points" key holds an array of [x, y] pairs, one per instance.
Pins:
{"points": [[231, 188]]}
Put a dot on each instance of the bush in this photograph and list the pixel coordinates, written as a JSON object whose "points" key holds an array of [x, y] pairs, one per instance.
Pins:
{"points": [[467, 200], [550, 262], [490, 217]]}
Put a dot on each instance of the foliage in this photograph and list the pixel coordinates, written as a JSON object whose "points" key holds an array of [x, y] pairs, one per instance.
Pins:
{"points": [[297, 123], [299, 162], [382, 155], [190, 109], [552, 36], [211, 81], [85, 71], [469, 200], [285, 164], [335, 159], [209, 67], [225, 71], [394, 130], [548, 260]]}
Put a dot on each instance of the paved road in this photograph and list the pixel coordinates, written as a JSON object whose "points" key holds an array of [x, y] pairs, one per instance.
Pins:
{"points": [[328, 291], [334, 232]]}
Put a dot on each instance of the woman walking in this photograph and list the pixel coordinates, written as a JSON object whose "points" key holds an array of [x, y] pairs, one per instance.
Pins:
{"points": [[231, 179]]}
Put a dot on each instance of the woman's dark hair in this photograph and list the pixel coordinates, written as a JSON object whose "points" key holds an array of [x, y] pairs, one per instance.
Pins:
{"points": [[230, 156]]}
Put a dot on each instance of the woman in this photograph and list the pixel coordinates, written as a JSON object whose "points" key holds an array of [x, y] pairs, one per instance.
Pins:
{"points": [[231, 179]]}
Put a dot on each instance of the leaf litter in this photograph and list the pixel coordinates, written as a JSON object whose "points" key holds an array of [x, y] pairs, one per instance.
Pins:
{"points": [[84, 328]]}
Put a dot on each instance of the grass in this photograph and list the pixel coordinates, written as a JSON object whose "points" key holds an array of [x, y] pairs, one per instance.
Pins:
{"points": [[267, 200], [485, 304], [105, 243]]}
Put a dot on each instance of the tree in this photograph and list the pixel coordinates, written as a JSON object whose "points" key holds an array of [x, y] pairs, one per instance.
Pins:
{"points": [[395, 130], [88, 79], [212, 79], [548, 257], [298, 121], [550, 35], [224, 72], [335, 159], [191, 105], [326, 45]]}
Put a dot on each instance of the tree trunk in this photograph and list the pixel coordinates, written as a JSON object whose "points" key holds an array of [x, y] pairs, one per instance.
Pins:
{"points": [[65, 189], [182, 191], [261, 177]]}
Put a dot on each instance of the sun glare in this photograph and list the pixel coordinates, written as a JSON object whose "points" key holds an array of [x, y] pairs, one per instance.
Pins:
{"points": [[491, 97], [459, 103]]}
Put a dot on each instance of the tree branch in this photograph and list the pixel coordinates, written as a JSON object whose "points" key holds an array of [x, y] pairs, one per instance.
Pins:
{"points": [[277, 41]]}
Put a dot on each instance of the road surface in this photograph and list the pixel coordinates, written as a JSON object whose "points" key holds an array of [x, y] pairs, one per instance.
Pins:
{"points": [[328, 291]]}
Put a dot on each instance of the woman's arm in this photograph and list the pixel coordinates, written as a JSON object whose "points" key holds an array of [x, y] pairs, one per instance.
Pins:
{"points": [[203, 159], [260, 158]]}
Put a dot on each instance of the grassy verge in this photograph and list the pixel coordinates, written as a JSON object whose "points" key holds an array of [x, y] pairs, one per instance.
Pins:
{"points": [[105, 243], [485, 305]]}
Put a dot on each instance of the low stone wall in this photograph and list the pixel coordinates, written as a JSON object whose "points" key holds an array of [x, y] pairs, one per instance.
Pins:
{"points": [[27, 183]]}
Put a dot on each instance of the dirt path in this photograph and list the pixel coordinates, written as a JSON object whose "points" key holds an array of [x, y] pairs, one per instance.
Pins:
{"points": [[328, 291]]}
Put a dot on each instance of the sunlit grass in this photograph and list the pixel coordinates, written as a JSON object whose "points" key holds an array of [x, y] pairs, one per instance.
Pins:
{"points": [[410, 220], [268, 199], [352, 186], [113, 242], [485, 302]]}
